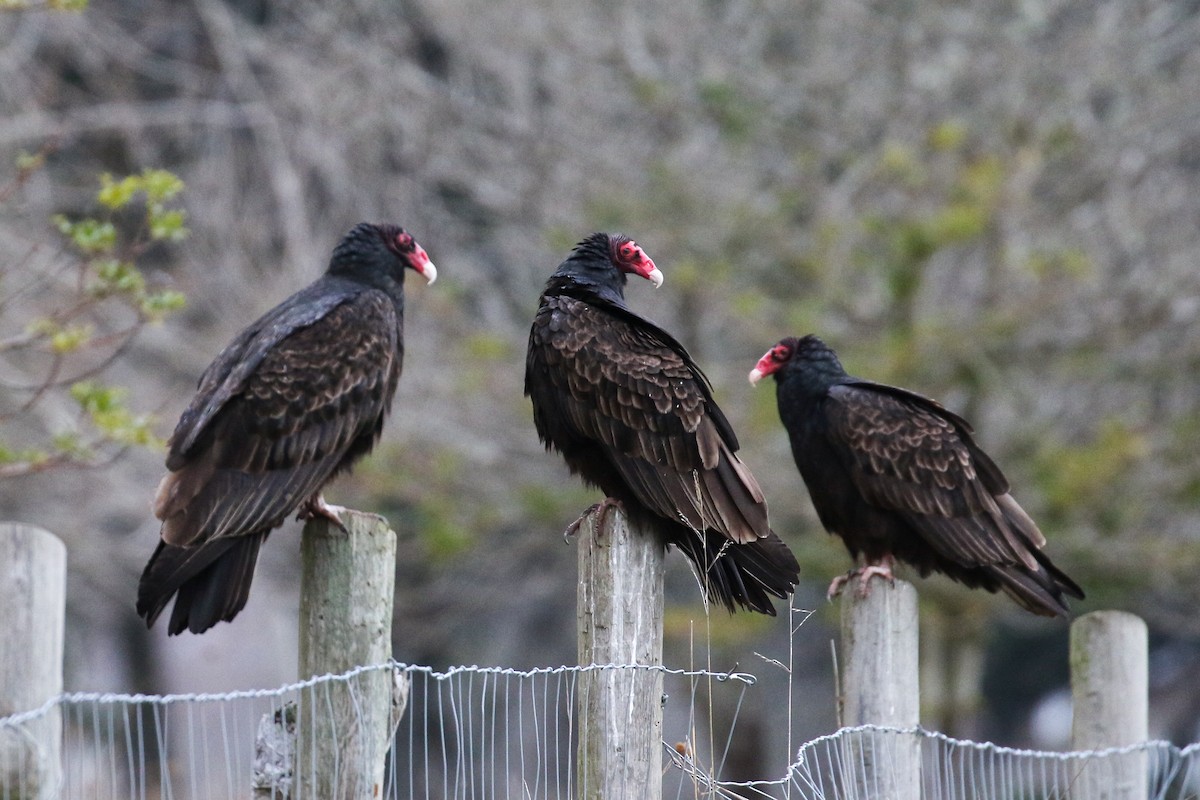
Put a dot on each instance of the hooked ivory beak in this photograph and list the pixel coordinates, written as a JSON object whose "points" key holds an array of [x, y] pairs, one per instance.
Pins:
{"points": [[423, 266]]}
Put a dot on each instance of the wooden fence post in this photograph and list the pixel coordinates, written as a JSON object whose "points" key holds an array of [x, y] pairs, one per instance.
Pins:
{"points": [[880, 686], [1110, 696], [33, 581], [346, 595], [620, 616]]}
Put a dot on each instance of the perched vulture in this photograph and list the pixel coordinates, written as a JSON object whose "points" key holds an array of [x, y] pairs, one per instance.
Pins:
{"points": [[293, 400], [899, 478], [633, 415]]}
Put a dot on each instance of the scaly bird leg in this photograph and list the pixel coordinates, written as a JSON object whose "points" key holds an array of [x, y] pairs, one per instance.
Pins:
{"points": [[602, 508], [316, 507], [883, 569]]}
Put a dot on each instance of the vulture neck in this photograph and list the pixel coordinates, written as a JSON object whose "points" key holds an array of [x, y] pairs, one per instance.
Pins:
{"points": [[365, 272], [811, 378], [590, 285]]}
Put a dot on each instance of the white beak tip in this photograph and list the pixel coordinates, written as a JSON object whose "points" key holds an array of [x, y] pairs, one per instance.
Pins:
{"points": [[430, 272]]}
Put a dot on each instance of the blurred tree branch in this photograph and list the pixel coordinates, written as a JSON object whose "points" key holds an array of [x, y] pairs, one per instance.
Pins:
{"points": [[68, 313]]}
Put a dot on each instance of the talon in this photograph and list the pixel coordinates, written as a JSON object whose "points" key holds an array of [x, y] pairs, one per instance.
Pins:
{"points": [[316, 507], [839, 583], [573, 528], [883, 569], [602, 508]]}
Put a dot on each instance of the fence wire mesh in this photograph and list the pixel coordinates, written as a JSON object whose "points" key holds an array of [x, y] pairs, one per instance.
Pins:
{"points": [[476, 732]]}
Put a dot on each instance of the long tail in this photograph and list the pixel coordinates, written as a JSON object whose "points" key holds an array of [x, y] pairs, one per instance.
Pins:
{"points": [[1039, 591], [739, 575], [210, 582]]}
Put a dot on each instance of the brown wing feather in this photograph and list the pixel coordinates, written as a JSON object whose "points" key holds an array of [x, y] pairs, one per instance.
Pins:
{"points": [[908, 458], [617, 385], [315, 402]]}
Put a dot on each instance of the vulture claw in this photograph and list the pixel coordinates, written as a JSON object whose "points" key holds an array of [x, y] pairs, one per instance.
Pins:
{"points": [[316, 507], [602, 508]]}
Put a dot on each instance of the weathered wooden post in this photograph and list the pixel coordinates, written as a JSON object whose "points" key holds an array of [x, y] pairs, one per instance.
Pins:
{"points": [[1110, 696], [346, 592], [620, 610], [33, 581], [880, 686]]}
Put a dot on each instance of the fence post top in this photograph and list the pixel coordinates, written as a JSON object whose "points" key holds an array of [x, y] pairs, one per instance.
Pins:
{"points": [[1108, 617], [23, 529]]}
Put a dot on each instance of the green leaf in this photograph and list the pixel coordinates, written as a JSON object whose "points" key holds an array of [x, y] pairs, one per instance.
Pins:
{"points": [[161, 185], [91, 236], [117, 277], [156, 305], [105, 406], [166, 224], [22, 455], [117, 194], [69, 443], [70, 338], [95, 398]]}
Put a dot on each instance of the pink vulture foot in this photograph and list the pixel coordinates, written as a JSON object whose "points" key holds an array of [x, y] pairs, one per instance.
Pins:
{"points": [[602, 508], [316, 507], [882, 569]]}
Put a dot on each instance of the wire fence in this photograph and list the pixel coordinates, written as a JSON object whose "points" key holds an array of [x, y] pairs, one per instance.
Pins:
{"points": [[478, 732], [835, 766]]}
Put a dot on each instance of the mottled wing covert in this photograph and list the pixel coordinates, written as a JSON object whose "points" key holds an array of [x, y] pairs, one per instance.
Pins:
{"points": [[907, 455], [285, 430], [617, 383]]}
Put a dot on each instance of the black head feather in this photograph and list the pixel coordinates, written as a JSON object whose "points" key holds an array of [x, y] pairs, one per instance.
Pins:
{"points": [[599, 266], [377, 255], [807, 362]]}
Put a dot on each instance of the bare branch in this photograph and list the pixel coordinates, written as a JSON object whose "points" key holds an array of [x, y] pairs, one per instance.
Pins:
{"points": [[285, 179], [129, 117]]}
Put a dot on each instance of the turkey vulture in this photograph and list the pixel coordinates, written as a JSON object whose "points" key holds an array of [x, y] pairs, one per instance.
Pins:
{"points": [[293, 400], [899, 478], [633, 415]]}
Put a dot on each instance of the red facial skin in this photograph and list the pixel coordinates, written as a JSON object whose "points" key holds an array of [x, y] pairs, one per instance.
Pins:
{"points": [[418, 259], [771, 361], [632, 259]]}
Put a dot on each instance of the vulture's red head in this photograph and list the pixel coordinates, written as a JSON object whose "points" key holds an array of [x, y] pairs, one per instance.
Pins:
{"points": [[806, 356], [412, 254], [773, 360], [632, 259], [371, 253]]}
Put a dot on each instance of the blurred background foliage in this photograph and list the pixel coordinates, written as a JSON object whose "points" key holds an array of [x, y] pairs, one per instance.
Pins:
{"points": [[992, 204], [70, 313]]}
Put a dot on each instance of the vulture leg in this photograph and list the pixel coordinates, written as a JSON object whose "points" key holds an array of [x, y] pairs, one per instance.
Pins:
{"points": [[316, 507], [883, 569], [600, 508]]}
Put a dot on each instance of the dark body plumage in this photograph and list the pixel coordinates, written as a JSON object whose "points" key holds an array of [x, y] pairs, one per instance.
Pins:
{"points": [[633, 415], [895, 474], [293, 400]]}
